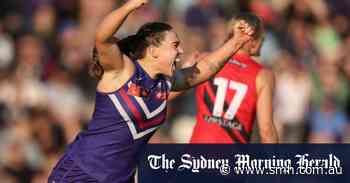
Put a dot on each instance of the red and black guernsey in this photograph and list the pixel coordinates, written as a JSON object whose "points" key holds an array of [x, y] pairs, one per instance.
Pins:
{"points": [[226, 104]]}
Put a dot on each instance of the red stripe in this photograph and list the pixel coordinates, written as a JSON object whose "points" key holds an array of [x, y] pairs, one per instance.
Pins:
{"points": [[135, 112], [156, 121], [138, 116]]}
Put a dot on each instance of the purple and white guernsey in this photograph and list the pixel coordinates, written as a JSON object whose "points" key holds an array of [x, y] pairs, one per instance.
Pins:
{"points": [[123, 121]]}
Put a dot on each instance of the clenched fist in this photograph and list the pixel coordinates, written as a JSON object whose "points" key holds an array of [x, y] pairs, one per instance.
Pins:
{"points": [[242, 32], [134, 4]]}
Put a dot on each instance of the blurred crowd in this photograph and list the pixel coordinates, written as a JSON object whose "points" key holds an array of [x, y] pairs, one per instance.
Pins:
{"points": [[47, 96]]}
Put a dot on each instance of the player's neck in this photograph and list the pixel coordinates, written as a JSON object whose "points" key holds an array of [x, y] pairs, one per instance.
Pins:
{"points": [[243, 51], [148, 66]]}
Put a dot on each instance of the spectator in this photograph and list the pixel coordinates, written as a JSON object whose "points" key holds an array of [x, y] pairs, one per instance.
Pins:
{"points": [[328, 124], [202, 12]]}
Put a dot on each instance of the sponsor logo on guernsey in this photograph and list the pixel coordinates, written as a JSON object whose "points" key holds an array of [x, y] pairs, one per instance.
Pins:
{"points": [[232, 124], [137, 90], [242, 65]]}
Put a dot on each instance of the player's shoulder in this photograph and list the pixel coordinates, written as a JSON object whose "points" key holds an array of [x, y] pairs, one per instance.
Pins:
{"points": [[246, 61], [265, 77], [256, 63], [266, 73]]}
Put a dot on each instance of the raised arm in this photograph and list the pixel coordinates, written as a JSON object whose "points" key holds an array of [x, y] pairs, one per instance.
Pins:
{"points": [[110, 56], [214, 61], [265, 87]]}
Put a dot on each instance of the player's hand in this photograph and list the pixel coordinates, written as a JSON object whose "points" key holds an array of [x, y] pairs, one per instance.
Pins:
{"points": [[134, 4], [244, 28], [243, 32]]}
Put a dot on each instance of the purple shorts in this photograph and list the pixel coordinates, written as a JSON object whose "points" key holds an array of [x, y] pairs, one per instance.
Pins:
{"points": [[66, 171]]}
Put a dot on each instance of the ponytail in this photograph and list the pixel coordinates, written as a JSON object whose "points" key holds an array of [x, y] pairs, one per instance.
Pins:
{"points": [[131, 46], [95, 68]]}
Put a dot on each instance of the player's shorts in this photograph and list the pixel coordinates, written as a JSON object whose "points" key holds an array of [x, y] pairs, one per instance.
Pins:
{"points": [[66, 171]]}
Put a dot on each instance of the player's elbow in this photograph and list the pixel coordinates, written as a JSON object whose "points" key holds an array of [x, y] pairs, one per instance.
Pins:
{"points": [[268, 136], [100, 38]]}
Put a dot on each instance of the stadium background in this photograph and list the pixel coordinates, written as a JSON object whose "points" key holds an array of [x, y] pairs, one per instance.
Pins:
{"points": [[46, 94]]}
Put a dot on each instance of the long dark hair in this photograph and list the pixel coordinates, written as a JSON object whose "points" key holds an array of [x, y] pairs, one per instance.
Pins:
{"points": [[95, 68], [134, 46]]}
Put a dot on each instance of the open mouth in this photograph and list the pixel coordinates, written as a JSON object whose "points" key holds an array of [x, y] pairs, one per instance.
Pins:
{"points": [[173, 66], [177, 61]]}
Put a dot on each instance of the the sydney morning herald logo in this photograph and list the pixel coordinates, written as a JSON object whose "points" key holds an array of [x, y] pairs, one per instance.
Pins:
{"points": [[245, 164]]}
